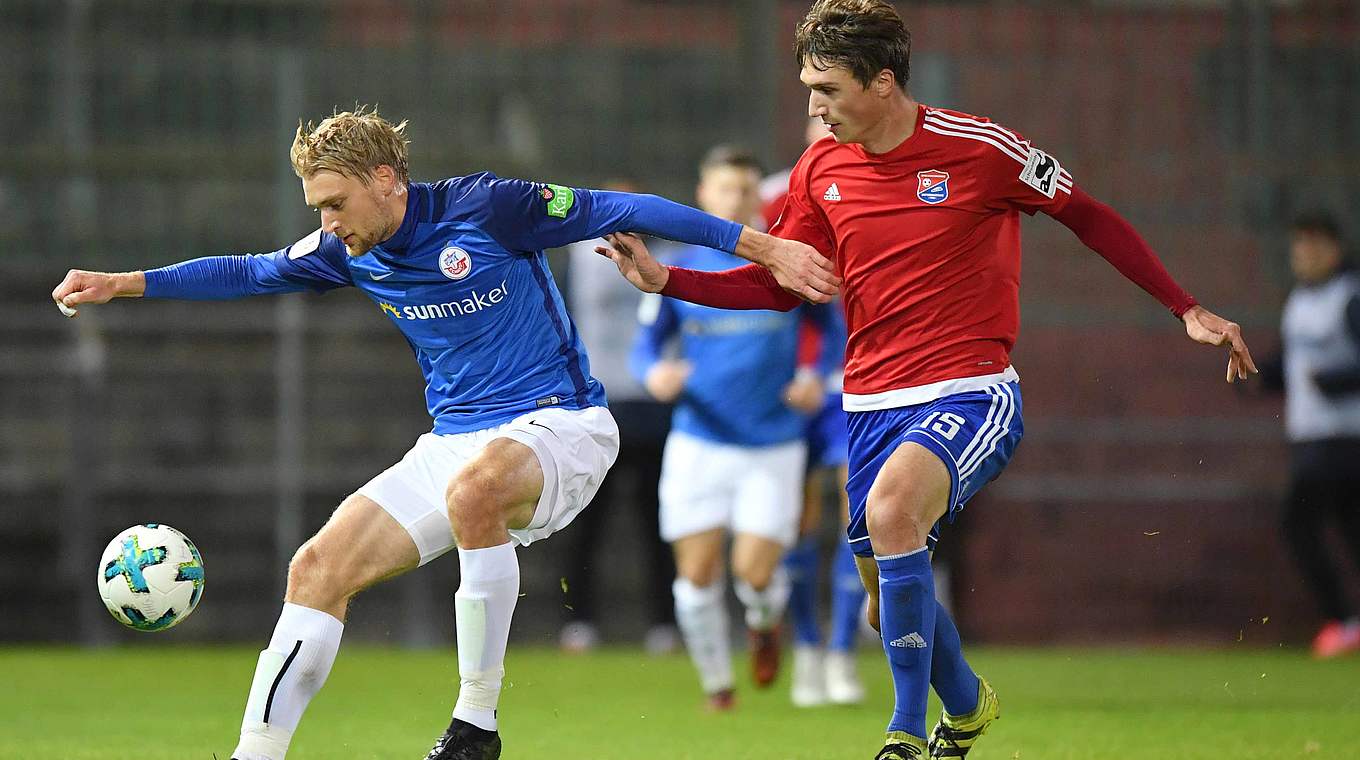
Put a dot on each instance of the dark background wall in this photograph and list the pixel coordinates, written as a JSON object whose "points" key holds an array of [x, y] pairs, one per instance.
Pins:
{"points": [[1141, 505]]}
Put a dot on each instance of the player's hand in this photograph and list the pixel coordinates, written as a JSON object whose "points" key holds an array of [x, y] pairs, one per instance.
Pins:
{"points": [[796, 266], [805, 393], [666, 379], [1205, 326], [635, 262], [80, 287]]}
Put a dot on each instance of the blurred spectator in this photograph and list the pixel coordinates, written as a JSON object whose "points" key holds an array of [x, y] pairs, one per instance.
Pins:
{"points": [[605, 307], [1319, 372]]}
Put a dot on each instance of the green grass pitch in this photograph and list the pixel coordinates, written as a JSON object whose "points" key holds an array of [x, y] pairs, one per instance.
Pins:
{"points": [[175, 703]]}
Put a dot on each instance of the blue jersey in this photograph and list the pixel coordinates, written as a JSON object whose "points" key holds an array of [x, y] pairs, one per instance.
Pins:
{"points": [[741, 360], [465, 280]]}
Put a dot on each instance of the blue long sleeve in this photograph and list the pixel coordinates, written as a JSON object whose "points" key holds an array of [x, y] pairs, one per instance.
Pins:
{"points": [[662, 218], [530, 216], [211, 278], [215, 278]]}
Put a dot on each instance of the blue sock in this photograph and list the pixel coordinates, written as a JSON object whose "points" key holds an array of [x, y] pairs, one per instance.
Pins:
{"points": [[802, 565], [907, 617], [847, 599], [953, 680]]}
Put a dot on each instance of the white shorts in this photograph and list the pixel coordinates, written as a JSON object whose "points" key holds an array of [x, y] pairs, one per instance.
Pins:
{"points": [[575, 448], [745, 489]]}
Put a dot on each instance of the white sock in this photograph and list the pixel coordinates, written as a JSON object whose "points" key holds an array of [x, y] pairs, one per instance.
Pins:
{"points": [[702, 619], [765, 608], [288, 674], [483, 606]]}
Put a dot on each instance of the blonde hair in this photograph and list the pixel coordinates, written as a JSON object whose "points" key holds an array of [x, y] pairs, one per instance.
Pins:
{"points": [[351, 143]]}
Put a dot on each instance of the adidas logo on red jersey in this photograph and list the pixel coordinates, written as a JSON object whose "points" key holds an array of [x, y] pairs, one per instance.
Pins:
{"points": [[833, 193]]}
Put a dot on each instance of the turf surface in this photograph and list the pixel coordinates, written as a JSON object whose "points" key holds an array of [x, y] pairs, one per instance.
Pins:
{"points": [[180, 703]]}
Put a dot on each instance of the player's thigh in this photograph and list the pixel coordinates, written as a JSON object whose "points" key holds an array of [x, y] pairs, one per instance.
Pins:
{"points": [[412, 491], [499, 486], [573, 450], [768, 491], [971, 435], [909, 495], [698, 556], [696, 492], [754, 558], [360, 545]]}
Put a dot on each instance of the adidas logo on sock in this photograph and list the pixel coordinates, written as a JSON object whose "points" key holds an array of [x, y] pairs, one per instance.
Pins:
{"points": [[833, 193], [912, 640]]}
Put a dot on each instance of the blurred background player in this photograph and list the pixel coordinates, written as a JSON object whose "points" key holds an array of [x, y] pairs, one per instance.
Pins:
{"points": [[834, 678], [920, 207], [735, 455], [521, 439], [601, 305], [774, 188], [1319, 372], [826, 676]]}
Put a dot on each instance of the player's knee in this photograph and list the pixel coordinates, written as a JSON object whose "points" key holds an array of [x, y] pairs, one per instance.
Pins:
{"points": [[756, 574], [896, 526], [472, 504], [699, 574], [312, 578]]}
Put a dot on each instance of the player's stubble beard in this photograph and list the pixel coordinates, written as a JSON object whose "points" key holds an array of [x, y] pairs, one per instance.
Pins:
{"points": [[385, 227]]}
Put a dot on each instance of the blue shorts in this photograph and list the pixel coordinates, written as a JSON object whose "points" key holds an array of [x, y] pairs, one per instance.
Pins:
{"points": [[827, 438], [973, 433]]}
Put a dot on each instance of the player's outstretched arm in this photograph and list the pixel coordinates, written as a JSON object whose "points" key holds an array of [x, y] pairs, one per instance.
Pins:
{"points": [[635, 262], [314, 263], [82, 287], [1107, 233], [796, 266], [748, 287], [1204, 326]]}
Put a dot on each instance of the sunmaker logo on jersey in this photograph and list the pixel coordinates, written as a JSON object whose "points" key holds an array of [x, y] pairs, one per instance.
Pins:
{"points": [[474, 303], [932, 186]]}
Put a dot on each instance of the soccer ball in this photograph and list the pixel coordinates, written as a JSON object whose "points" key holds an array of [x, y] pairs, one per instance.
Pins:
{"points": [[150, 577]]}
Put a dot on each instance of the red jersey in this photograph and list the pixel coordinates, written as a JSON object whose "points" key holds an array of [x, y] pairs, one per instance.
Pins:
{"points": [[927, 240]]}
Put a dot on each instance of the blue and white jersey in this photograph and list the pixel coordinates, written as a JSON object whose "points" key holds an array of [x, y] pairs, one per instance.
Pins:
{"points": [[741, 360], [465, 280]]}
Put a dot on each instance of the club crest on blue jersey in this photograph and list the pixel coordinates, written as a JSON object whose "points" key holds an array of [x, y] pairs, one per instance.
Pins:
{"points": [[932, 186], [455, 263]]}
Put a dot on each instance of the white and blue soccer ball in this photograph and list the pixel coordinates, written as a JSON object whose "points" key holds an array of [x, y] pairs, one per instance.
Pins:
{"points": [[150, 577]]}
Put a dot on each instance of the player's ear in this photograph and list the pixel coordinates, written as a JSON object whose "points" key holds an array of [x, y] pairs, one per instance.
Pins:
{"points": [[884, 83], [387, 179]]}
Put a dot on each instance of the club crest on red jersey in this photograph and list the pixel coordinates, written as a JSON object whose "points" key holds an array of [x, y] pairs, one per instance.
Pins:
{"points": [[932, 186]]}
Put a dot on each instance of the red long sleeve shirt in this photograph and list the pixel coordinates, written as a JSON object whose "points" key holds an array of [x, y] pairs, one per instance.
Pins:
{"points": [[926, 239]]}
